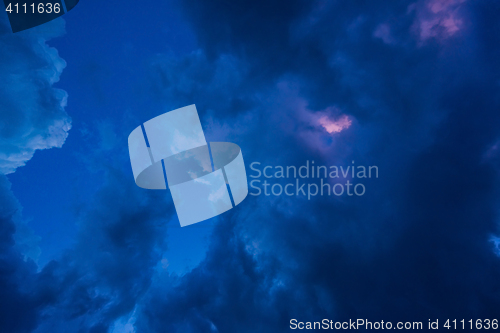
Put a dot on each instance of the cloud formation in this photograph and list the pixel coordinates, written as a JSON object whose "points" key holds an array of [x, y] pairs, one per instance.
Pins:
{"points": [[33, 116], [438, 19], [289, 82], [403, 250]]}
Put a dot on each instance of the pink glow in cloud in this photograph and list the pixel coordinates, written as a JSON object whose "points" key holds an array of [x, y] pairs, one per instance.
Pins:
{"points": [[322, 127], [437, 6], [438, 19], [325, 131], [335, 126]]}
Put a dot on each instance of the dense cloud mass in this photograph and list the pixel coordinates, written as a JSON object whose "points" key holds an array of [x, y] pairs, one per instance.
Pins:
{"points": [[18, 306], [112, 262], [33, 115], [409, 87], [419, 84]]}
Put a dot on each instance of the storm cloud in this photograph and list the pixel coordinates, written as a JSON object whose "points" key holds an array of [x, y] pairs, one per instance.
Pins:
{"points": [[410, 87]]}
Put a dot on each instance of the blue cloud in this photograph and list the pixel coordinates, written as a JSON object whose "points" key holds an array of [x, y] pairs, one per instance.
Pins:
{"points": [[422, 100], [33, 115], [425, 115]]}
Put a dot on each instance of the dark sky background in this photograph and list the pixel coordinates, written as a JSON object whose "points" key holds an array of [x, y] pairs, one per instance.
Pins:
{"points": [[415, 84]]}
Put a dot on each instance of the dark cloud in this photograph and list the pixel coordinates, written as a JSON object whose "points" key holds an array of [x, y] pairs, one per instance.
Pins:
{"points": [[16, 275], [416, 246], [418, 85], [122, 229], [32, 117], [111, 265]]}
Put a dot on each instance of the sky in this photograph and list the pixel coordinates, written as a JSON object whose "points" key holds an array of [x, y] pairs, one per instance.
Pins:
{"points": [[411, 87]]}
